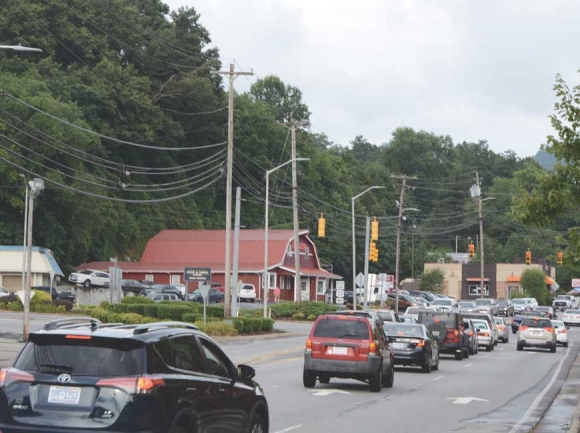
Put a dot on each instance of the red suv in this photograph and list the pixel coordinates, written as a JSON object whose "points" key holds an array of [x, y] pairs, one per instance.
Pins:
{"points": [[351, 346]]}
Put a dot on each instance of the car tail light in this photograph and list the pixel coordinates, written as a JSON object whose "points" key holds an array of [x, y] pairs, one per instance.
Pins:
{"points": [[484, 334], [549, 329], [372, 347], [470, 333], [11, 375], [133, 385], [78, 337], [501, 328], [419, 343], [309, 345], [453, 335], [562, 331], [523, 327]]}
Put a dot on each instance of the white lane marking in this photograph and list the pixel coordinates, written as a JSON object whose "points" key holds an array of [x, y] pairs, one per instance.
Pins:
{"points": [[294, 427], [540, 396], [325, 392], [467, 366], [485, 356], [437, 378], [465, 400]]}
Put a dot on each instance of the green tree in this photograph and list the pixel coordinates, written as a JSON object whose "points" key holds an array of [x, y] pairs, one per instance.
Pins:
{"points": [[284, 100], [533, 281], [432, 281]]}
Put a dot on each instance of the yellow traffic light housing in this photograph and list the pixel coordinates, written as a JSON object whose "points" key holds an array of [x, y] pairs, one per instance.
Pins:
{"points": [[321, 226], [374, 229], [471, 251], [528, 257], [560, 257]]}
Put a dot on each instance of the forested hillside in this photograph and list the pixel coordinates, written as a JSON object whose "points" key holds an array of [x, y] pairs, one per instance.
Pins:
{"points": [[123, 118]]}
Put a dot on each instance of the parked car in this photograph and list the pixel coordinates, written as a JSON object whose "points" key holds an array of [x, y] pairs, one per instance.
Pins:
{"points": [[248, 293], [571, 317], [421, 301], [158, 297], [504, 307], [471, 336], [561, 332], [88, 278], [521, 305], [444, 304], [426, 295], [413, 344], [164, 288], [548, 311], [447, 328], [486, 305], [502, 329], [56, 294], [537, 332], [349, 346], [181, 287], [6, 295], [134, 286], [164, 376], [484, 333], [466, 306], [213, 296]]}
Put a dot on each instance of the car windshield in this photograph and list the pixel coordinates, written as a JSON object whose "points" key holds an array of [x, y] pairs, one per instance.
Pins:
{"points": [[480, 324], [248, 287], [558, 323], [86, 272], [536, 323], [498, 320], [447, 302], [3, 290], [447, 319], [564, 297], [519, 301], [413, 310], [340, 328], [572, 312], [467, 304], [387, 316], [502, 302], [403, 330], [543, 308], [483, 301]]}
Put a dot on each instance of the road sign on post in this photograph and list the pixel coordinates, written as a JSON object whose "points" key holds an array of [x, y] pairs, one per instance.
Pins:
{"points": [[197, 274], [339, 292], [204, 290]]}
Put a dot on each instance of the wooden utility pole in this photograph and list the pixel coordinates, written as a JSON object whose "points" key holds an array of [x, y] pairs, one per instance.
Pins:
{"points": [[482, 264], [230, 162]]}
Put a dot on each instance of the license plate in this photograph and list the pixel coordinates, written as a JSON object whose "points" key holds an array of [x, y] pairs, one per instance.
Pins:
{"points": [[339, 350], [64, 394], [399, 345], [537, 333], [435, 333]]}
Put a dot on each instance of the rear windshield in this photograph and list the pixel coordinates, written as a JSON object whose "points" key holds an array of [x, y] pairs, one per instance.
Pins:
{"points": [[518, 301], [341, 328], [442, 302], [83, 357], [573, 312], [467, 304], [480, 324], [483, 301], [533, 323], [403, 330], [413, 310], [447, 319], [385, 316]]}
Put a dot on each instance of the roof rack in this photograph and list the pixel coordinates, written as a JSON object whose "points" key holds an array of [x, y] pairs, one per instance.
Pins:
{"points": [[142, 329], [72, 323]]}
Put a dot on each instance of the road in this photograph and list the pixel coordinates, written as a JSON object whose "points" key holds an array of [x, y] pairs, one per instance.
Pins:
{"points": [[499, 391]]}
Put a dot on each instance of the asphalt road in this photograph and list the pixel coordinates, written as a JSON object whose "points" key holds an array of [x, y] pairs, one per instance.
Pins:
{"points": [[499, 391]]}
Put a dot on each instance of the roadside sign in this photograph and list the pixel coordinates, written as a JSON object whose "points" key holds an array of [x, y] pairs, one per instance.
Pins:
{"points": [[21, 295], [197, 274], [575, 282], [360, 280], [204, 290], [339, 285]]}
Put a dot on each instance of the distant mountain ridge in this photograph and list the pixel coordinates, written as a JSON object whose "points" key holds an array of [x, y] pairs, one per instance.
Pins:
{"points": [[545, 159]]}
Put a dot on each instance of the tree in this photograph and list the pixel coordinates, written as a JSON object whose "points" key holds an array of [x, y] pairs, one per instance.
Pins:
{"points": [[432, 281], [285, 101], [533, 281]]}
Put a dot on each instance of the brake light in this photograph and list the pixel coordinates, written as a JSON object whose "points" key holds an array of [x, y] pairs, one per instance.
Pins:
{"points": [[484, 334], [308, 344], [562, 331], [419, 343], [78, 337], [133, 385], [549, 329], [470, 333], [11, 375], [372, 347], [523, 327], [501, 328], [456, 333]]}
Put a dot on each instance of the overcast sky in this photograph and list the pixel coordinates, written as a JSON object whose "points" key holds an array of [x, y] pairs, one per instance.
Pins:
{"points": [[469, 69]]}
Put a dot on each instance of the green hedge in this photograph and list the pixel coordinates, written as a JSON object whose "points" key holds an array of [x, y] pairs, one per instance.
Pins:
{"points": [[306, 308], [217, 328], [41, 302], [136, 300], [249, 325], [173, 311]]}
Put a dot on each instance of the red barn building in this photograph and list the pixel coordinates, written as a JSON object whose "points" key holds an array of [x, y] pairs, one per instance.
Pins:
{"points": [[168, 253]]}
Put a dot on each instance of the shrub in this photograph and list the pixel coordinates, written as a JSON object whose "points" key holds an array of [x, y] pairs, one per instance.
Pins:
{"points": [[136, 300], [249, 325], [105, 304], [100, 314], [66, 304], [134, 319], [217, 329], [298, 316], [173, 311], [150, 310], [40, 297], [189, 317], [213, 311], [307, 308], [311, 317], [267, 325]]}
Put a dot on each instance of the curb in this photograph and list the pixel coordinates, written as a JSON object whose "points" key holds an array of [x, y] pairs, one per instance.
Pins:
{"points": [[11, 336], [575, 426], [255, 337]]}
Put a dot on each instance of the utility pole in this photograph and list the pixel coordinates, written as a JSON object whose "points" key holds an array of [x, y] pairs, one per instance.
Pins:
{"points": [[480, 205], [398, 256], [28, 283], [230, 162], [236, 252], [297, 285], [366, 267], [456, 237]]}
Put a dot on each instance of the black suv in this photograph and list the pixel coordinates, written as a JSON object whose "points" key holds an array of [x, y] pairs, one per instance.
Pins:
{"points": [[447, 328], [79, 375]]}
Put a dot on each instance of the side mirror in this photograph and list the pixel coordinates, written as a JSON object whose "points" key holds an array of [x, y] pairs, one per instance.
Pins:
{"points": [[478, 330], [246, 372]]}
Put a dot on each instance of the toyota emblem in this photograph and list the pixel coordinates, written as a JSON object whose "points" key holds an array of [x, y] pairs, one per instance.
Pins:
{"points": [[63, 378]]}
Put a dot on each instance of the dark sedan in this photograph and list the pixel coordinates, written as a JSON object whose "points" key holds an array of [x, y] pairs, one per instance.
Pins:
{"points": [[137, 287], [164, 288], [413, 344], [213, 296], [56, 295], [504, 307]]}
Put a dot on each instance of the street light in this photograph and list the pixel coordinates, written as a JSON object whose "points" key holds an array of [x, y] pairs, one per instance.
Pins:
{"points": [[20, 48], [36, 187], [265, 278], [354, 246]]}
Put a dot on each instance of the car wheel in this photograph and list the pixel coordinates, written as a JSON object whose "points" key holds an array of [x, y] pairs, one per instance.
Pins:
{"points": [[389, 378], [376, 380], [459, 356], [258, 425], [565, 344], [87, 283], [324, 378], [520, 347], [553, 349], [252, 301], [466, 353], [488, 348], [436, 366], [472, 350], [426, 367], [308, 378]]}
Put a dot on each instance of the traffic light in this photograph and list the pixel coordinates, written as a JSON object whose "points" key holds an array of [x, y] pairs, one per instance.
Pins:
{"points": [[471, 251], [528, 257], [374, 230], [373, 252], [560, 257], [321, 226]]}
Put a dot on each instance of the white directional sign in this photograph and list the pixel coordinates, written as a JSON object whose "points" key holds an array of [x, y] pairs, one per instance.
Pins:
{"points": [[360, 280], [339, 292], [21, 294], [204, 289], [465, 400], [325, 392]]}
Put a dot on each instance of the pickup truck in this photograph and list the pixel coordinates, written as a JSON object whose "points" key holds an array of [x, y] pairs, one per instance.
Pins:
{"points": [[564, 302]]}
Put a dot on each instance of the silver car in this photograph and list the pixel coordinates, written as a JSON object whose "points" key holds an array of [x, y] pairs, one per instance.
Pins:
{"points": [[503, 330], [537, 332], [484, 333], [486, 305]]}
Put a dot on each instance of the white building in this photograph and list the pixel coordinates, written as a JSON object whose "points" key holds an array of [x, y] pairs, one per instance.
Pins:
{"points": [[45, 269]]}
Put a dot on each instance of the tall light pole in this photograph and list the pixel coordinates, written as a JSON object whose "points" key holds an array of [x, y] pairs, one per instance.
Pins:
{"points": [[354, 245], [265, 282], [36, 187]]}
